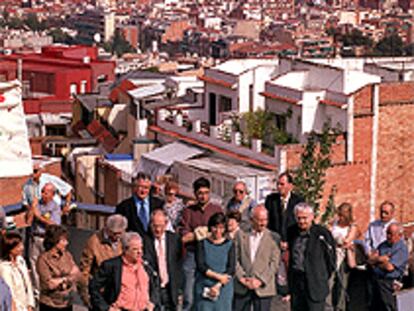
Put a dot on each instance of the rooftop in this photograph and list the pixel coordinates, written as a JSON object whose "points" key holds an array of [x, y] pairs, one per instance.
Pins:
{"points": [[239, 66]]}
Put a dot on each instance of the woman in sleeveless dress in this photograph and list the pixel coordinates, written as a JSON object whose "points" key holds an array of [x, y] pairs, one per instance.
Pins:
{"points": [[215, 259]]}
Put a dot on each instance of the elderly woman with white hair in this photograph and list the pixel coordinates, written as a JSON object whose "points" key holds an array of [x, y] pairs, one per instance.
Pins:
{"points": [[102, 245]]}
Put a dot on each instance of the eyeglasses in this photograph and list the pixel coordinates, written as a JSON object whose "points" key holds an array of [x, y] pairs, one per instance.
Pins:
{"points": [[238, 191]]}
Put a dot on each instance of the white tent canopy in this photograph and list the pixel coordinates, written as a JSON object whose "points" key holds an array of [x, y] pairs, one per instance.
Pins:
{"points": [[15, 154], [158, 161]]}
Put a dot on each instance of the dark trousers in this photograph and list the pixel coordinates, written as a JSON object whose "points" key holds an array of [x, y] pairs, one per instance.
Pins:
{"points": [[383, 298], [43, 307], [300, 300], [167, 303], [245, 302]]}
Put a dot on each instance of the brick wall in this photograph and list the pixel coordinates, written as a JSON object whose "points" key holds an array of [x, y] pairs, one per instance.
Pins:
{"points": [[395, 148], [11, 188]]}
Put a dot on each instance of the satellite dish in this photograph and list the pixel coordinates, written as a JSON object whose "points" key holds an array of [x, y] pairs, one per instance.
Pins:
{"points": [[97, 37]]}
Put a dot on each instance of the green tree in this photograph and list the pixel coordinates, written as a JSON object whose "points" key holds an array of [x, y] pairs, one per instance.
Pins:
{"points": [[391, 45], [261, 124], [315, 160], [15, 23], [32, 22], [119, 45], [60, 36]]}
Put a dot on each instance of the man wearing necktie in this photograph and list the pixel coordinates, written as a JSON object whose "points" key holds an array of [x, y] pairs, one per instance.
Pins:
{"points": [[138, 207], [162, 250]]}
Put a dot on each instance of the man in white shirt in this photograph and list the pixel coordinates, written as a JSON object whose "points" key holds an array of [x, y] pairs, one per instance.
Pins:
{"points": [[257, 262], [377, 230], [162, 250]]}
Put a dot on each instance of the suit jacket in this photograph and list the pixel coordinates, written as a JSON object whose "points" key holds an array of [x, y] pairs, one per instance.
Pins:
{"points": [[264, 266], [319, 261], [128, 209], [105, 286], [273, 204], [174, 264]]}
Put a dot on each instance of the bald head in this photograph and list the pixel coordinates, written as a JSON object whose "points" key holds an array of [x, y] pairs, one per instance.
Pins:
{"points": [[259, 218], [394, 233], [48, 191]]}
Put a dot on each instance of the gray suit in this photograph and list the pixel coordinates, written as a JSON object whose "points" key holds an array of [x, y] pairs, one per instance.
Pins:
{"points": [[264, 266]]}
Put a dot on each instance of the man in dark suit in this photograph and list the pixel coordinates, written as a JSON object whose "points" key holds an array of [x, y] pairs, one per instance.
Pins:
{"points": [[311, 262], [137, 209], [280, 206], [162, 250], [113, 287]]}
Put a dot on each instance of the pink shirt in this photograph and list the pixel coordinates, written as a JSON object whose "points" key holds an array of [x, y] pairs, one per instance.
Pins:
{"points": [[134, 294]]}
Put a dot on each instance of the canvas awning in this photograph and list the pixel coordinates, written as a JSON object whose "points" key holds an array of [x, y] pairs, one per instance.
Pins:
{"points": [[157, 162]]}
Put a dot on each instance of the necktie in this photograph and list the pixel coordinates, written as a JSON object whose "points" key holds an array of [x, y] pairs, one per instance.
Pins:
{"points": [[162, 264], [143, 215]]}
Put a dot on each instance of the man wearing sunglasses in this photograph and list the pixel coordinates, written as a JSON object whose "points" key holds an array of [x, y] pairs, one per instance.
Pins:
{"points": [[242, 202]]}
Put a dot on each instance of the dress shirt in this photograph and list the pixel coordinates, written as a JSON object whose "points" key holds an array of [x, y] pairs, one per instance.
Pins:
{"points": [[139, 203], [285, 201], [17, 278], [5, 296], [255, 238], [298, 252], [134, 293], [162, 259], [193, 217], [54, 212], [398, 253], [376, 233]]}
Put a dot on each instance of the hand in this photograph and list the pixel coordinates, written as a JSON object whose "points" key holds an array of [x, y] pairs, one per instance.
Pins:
{"points": [[245, 282], [180, 300], [215, 291], [255, 283], [55, 282], [113, 308], [150, 306], [286, 299], [224, 279]]}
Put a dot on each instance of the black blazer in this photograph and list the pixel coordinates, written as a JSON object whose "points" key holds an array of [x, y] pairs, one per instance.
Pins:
{"points": [[174, 262], [273, 205], [320, 261], [128, 209], [105, 286]]}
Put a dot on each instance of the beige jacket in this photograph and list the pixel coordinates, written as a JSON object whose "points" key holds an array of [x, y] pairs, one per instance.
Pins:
{"points": [[264, 267], [96, 251]]}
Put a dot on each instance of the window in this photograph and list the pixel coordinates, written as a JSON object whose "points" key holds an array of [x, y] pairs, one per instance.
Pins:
{"points": [[224, 104], [73, 89], [280, 122], [83, 87]]}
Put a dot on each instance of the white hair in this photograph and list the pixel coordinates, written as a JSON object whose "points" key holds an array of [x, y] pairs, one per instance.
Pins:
{"points": [[116, 222], [303, 207], [128, 237]]}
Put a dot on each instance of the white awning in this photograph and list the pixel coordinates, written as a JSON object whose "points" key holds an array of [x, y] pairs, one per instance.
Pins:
{"points": [[157, 162], [147, 91]]}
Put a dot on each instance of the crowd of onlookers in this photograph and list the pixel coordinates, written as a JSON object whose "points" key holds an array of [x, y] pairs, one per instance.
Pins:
{"points": [[158, 253]]}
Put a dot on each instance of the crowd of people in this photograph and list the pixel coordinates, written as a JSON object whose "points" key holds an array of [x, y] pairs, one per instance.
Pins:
{"points": [[157, 253]]}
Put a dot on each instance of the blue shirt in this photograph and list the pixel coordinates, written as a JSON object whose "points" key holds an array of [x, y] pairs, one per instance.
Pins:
{"points": [[145, 204], [32, 189], [50, 210], [398, 253], [376, 234], [5, 296]]}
